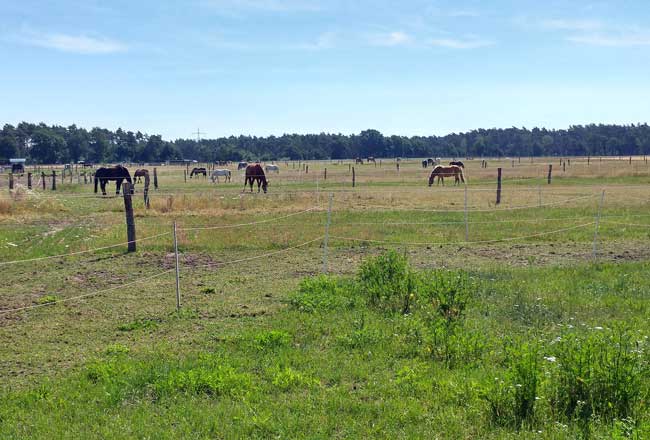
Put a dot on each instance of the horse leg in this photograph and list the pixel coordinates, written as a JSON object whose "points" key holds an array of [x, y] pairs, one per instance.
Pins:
{"points": [[102, 185], [118, 184]]}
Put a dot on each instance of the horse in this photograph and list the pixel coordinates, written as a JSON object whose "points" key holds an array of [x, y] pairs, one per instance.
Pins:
{"points": [[371, 159], [117, 173], [358, 160], [139, 174], [441, 172], [242, 165], [458, 163], [255, 173], [198, 171], [272, 167], [430, 161], [221, 172], [425, 163]]}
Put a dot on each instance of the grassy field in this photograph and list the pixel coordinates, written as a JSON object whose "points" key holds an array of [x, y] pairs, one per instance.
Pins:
{"points": [[434, 321]]}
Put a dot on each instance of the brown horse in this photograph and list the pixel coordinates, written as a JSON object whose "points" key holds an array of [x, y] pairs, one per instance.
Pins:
{"points": [[358, 160], [255, 173], [137, 176], [451, 171], [197, 171]]}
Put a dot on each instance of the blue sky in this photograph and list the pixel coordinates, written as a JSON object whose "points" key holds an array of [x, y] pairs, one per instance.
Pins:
{"points": [[301, 66]]}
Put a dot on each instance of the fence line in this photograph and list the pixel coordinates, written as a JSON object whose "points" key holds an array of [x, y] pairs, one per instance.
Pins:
{"points": [[464, 242], [489, 222], [625, 224], [6, 263], [86, 295], [206, 228], [513, 208]]}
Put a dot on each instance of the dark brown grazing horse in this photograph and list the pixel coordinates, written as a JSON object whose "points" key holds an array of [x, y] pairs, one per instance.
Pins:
{"points": [[137, 176], [458, 163], [255, 173], [358, 160], [197, 171], [451, 171], [371, 159], [117, 173]]}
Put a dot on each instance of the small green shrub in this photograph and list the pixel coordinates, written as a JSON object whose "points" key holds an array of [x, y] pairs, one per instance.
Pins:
{"points": [[272, 339], [139, 324], [598, 374], [361, 336], [213, 381], [388, 282], [208, 291], [116, 349], [512, 400], [322, 293], [287, 379], [447, 291], [47, 299]]}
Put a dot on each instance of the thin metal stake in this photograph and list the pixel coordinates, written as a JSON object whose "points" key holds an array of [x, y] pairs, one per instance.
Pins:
{"points": [[466, 222], [327, 233], [178, 273], [600, 207]]}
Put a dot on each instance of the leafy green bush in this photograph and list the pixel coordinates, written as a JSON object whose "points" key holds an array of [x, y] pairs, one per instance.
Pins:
{"points": [[116, 349], [47, 299], [287, 379], [512, 400], [139, 324], [388, 282], [272, 339], [213, 381], [600, 373], [323, 293], [448, 292]]}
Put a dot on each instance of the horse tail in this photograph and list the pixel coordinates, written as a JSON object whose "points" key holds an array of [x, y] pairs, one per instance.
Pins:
{"points": [[462, 175]]}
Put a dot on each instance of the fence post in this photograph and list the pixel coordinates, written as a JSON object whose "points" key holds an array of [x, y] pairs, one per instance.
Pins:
{"points": [[550, 173], [185, 175], [155, 178], [539, 194], [43, 179], [466, 219], [128, 211], [178, 271], [306, 169], [564, 166], [588, 159], [146, 191], [325, 174], [498, 186], [53, 180], [600, 207], [29, 180], [327, 233], [397, 167], [11, 181], [353, 178]]}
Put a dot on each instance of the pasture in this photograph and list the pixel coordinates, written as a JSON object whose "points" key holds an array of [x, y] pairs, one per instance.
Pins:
{"points": [[442, 314]]}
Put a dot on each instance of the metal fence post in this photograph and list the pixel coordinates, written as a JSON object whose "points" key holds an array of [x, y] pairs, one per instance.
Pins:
{"points": [[600, 207], [178, 272], [327, 233], [466, 219]]}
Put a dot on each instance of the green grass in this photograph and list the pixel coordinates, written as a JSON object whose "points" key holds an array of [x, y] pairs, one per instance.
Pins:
{"points": [[528, 338]]}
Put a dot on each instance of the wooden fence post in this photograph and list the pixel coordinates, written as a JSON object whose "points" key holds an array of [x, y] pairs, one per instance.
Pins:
{"points": [[564, 166], [630, 160], [498, 186], [155, 178], [306, 169], [29, 180], [353, 178], [128, 211], [398, 167], [325, 174], [185, 175], [53, 180], [11, 181], [43, 179], [550, 173]]}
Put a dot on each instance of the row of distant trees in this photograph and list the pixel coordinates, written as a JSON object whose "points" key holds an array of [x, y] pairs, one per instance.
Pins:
{"points": [[41, 143]]}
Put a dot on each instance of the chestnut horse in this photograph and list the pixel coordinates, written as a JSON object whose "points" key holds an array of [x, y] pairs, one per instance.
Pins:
{"points": [[137, 176], [255, 173], [441, 172]]}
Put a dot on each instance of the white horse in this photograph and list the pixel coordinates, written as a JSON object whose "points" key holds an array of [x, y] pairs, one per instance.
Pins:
{"points": [[272, 167], [221, 172]]}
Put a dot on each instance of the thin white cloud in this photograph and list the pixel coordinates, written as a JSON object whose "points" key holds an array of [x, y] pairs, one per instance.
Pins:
{"points": [[230, 6], [572, 25], [81, 44], [611, 40], [457, 43], [390, 39]]}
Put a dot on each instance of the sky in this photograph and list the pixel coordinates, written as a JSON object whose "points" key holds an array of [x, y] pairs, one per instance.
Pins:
{"points": [[261, 67]]}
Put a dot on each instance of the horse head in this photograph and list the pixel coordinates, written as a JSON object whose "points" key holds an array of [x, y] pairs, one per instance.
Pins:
{"points": [[265, 184]]}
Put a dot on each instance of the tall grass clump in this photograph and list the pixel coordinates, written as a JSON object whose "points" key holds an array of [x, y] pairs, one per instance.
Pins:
{"points": [[388, 282], [599, 375], [322, 293]]}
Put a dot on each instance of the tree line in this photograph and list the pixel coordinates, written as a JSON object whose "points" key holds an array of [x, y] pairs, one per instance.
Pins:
{"points": [[41, 143]]}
